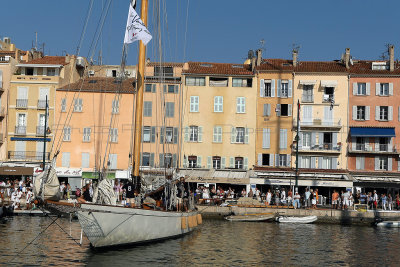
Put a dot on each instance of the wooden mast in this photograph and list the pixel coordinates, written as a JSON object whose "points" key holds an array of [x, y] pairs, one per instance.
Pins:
{"points": [[139, 102]]}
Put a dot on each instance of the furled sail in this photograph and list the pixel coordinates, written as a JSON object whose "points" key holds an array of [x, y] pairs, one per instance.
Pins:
{"points": [[104, 193], [51, 185]]}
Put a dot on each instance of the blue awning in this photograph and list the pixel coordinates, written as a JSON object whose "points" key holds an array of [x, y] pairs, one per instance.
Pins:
{"points": [[374, 132]]}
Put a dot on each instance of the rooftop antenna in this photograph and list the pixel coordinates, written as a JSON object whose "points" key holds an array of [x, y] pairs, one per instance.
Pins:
{"points": [[262, 43], [36, 41]]}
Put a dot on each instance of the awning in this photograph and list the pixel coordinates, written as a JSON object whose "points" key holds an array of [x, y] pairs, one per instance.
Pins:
{"points": [[306, 82], [328, 83], [16, 171], [302, 182], [218, 180], [95, 175], [125, 174], [372, 132], [216, 176]]}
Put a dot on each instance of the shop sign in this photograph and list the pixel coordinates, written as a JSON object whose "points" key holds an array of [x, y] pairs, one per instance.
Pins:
{"points": [[68, 172]]}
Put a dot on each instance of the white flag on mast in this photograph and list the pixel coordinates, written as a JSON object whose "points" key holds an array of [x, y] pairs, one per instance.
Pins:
{"points": [[135, 28]]}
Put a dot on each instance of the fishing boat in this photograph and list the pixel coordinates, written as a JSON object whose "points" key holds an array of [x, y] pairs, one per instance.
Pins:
{"points": [[256, 217], [389, 224], [296, 219]]}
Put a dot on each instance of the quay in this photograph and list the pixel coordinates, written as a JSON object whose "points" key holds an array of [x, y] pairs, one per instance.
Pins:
{"points": [[325, 215]]}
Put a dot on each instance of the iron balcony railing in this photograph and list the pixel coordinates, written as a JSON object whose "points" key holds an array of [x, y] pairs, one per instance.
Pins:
{"points": [[328, 98], [320, 147], [28, 155], [318, 122], [39, 130], [307, 98], [42, 104], [370, 149], [20, 129], [22, 103]]}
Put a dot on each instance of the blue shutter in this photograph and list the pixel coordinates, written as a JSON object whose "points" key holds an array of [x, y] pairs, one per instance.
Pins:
{"points": [[279, 88], [290, 88]]}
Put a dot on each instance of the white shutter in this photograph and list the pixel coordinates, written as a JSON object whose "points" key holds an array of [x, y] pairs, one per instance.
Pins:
{"points": [[390, 115], [271, 160], [279, 88], [376, 143], [43, 92], [223, 162], [288, 160], [233, 135], [246, 135], [198, 163], [334, 163], [300, 142], [376, 163], [278, 110], [266, 138], [390, 163], [290, 88], [209, 162], [186, 134], [398, 164], [367, 113], [362, 163], [262, 88], [265, 109], [232, 162], [320, 139], [259, 159], [334, 140], [290, 110], [353, 143], [200, 137], [377, 109], [355, 88], [65, 159], [273, 88], [354, 112], [313, 161], [368, 89], [245, 163], [313, 139], [276, 160], [377, 88], [390, 88]]}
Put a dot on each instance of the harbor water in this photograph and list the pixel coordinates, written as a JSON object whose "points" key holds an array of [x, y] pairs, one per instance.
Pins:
{"points": [[215, 242]]}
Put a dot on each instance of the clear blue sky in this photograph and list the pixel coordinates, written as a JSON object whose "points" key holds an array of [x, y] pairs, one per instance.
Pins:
{"points": [[217, 30]]}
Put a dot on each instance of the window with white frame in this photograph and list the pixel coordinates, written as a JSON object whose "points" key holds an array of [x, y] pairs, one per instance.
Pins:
{"points": [[306, 140], [146, 134], [51, 72], [193, 133], [86, 134], [383, 163], [283, 160], [64, 105], [216, 162], [192, 161], [67, 134], [239, 163], [384, 89], [268, 89], [267, 160], [308, 93], [78, 103], [217, 134], [115, 106], [361, 113], [383, 113], [169, 134], [218, 104], [241, 82], [361, 89], [195, 81], [194, 104], [114, 135], [240, 105], [305, 162], [240, 135], [285, 89]]}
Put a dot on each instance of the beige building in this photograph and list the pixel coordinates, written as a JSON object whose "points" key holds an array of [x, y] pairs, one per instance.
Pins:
{"points": [[219, 116]]}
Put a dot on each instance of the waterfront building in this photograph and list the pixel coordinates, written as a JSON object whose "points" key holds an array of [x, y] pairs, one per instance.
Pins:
{"points": [[219, 122], [31, 83], [374, 115]]}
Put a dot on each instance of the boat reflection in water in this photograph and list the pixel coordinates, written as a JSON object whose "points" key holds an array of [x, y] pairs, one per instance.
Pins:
{"points": [[215, 242]]}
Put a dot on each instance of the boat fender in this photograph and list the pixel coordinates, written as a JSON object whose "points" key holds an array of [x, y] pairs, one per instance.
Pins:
{"points": [[184, 222], [190, 219], [194, 218], [199, 219]]}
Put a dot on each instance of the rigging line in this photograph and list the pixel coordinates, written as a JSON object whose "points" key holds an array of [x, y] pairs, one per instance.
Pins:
{"points": [[176, 30], [186, 27], [88, 14]]}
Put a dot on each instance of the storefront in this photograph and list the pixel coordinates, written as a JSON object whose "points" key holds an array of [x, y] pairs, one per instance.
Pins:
{"points": [[13, 173], [72, 176]]}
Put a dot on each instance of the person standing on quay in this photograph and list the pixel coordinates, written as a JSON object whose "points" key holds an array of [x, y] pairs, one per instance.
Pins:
{"points": [[383, 198], [296, 201], [375, 200], [335, 197], [307, 200], [390, 201], [269, 196]]}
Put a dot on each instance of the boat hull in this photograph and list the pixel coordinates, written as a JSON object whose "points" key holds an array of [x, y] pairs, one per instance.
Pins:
{"points": [[389, 224], [306, 219], [107, 226]]}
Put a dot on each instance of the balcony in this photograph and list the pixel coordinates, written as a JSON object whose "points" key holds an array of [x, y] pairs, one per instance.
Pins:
{"points": [[366, 149], [324, 148], [22, 103], [27, 155], [39, 79], [20, 130], [42, 104], [328, 98], [307, 98], [40, 130], [319, 123]]}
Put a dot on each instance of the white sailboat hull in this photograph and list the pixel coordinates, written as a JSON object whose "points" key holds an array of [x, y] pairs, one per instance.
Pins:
{"points": [[113, 226]]}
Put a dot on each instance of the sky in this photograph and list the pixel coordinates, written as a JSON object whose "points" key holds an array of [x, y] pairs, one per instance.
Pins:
{"points": [[208, 30]]}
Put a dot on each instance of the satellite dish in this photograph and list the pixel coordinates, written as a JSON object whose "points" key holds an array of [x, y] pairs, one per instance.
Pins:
{"points": [[351, 61]]}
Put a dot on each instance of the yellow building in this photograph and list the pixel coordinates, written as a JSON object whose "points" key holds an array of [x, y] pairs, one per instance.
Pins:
{"points": [[30, 85], [219, 116]]}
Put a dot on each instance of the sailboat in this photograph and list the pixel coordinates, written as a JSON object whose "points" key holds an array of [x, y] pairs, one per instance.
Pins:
{"points": [[111, 225]]}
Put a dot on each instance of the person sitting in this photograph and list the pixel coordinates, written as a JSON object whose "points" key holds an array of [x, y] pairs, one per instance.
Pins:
{"points": [[85, 197]]}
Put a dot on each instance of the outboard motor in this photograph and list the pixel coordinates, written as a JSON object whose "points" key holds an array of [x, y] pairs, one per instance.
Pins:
{"points": [[377, 220]]}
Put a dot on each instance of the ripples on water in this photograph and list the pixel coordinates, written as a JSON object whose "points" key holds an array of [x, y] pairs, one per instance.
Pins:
{"points": [[216, 242]]}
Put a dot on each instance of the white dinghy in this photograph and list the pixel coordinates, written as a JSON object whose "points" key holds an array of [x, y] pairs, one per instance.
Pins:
{"points": [[389, 224], [294, 219]]}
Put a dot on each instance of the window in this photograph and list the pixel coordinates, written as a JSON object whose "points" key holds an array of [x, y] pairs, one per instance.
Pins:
{"points": [[146, 134], [218, 82], [192, 161], [218, 104], [329, 94], [78, 105], [283, 160], [21, 119], [146, 159], [150, 88], [306, 140], [308, 93], [383, 163], [267, 110], [51, 72], [268, 89], [241, 82], [360, 143], [239, 163], [170, 109], [65, 159], [114, 73], [361, 113], [383, 113], [147, 108], [361, 89], [63, 105], [194, 134], [169, 134], [163, 71], [283, 139], [67, 134], [327, 141], [384, 144], [360, 163], [171, 89], [115, 106], [305, 162], [240, 105], [167, 160], [86, 134], [267, 159], [284, 89], [384, 89], [28, 71], [113, 135], [217, 134], [216, 161], [195, 81], [85, 159], [112, 161], [283, 110], [240, 135], [194, 104]]}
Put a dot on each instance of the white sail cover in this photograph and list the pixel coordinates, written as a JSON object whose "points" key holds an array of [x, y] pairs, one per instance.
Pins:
{"points": [[104, 193], [51, 186], [135, 28]]}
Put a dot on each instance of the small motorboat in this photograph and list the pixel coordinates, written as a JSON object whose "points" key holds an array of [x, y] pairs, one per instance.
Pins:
{"points": [[295, 219], [255, 217], [389, 224]]}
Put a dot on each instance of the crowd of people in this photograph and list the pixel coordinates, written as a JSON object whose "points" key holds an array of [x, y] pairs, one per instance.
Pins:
{"points": [[13, 191]]}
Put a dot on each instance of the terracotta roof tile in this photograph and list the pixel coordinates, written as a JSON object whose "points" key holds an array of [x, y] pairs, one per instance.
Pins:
{"points": [[56, 60], [218, 69], [365, 67], [165, 64], [101, 85], [320, 66], [275, 64]]}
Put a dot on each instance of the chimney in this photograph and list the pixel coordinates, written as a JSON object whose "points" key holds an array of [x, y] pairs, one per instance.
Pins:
{"points": [[259, 57], [391, 57], [294, 56], [253, 63], [347, 58]]}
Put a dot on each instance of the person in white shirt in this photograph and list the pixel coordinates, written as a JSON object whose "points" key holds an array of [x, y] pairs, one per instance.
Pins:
{"points": [[2, 190], [269, 196], [29, 199], [283, 196]]}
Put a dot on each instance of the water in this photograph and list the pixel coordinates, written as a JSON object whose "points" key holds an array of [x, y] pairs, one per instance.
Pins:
{"points": [[216, 242]]}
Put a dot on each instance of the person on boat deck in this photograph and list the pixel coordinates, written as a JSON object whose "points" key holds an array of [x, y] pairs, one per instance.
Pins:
{"points": [[182, 193], [85, 197], [130, 194]]}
